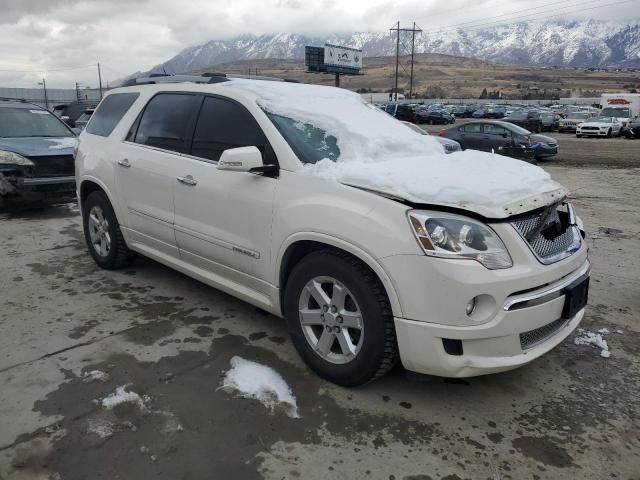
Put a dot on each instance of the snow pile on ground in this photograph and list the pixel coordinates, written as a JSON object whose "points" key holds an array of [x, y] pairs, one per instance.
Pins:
{"points": [[95, 376], [254, 380], [122, 396], [101, 428], [594, 338], [379, 152]]}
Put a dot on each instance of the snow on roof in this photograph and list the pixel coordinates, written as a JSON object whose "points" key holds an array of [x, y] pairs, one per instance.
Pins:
{"points": [[380, 153]]}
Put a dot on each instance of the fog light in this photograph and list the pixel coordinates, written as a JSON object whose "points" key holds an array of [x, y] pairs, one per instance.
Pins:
{"points": [[471, 306]]}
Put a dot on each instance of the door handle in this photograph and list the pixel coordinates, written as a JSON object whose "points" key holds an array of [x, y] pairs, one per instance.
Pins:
{"points": [[187, 180], [124, 163]]}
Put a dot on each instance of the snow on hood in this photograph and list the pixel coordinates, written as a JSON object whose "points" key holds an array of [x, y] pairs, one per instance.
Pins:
{"points": [[379, 153]]}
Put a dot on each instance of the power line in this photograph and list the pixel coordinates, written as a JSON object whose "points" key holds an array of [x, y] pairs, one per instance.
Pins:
{"points": [[56, 69], [514, 12], [517, 19]]}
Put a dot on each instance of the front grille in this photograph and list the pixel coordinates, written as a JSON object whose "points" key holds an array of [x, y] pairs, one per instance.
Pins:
{"points": [[553, 242], [552, 145], [534, 337], [591, 128], [53, 166]]}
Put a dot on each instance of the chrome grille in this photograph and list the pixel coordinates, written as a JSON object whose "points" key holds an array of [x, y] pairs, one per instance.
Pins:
{"points": [[533, 337], [550, 250]]}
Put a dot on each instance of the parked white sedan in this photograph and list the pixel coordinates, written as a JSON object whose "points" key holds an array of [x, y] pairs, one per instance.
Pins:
{"points": [[600, 127]]}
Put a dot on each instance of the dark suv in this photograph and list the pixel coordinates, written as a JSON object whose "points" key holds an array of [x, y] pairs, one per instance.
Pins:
{"points": [[526, 119], [36, 155], [406, 113]]}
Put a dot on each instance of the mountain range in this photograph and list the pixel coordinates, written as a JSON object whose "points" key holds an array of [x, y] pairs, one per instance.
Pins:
{"points": [[589, 43]]}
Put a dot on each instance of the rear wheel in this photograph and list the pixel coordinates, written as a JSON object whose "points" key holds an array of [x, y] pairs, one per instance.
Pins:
{"points": [[339, 318], [102, 233]]}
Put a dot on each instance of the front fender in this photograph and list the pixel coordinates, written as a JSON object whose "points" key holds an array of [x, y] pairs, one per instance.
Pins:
{"points": [[357, 252]]}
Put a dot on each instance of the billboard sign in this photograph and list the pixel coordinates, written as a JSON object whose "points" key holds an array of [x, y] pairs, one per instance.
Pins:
{"points": [[342, 56]]}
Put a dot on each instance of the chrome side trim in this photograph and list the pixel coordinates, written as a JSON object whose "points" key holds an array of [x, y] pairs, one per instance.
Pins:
{"points": [[549, 292], [46, 180]]}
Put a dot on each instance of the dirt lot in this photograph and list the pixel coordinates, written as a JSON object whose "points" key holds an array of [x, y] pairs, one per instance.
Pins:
{"points": [[570, 414], [582, 152]]}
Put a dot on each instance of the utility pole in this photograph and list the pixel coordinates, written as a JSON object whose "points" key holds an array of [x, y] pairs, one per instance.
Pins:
{"points": [[77, 92], [413, 44], [46, 98], [100, 80], [397, 58], [413, 31]]}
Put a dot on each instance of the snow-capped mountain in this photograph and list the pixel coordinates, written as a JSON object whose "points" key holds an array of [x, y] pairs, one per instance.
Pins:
{"points": [[588, 43]]}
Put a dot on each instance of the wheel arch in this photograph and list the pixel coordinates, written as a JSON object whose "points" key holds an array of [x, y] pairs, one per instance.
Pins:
{"points": [[89, 185], [299, 245]]}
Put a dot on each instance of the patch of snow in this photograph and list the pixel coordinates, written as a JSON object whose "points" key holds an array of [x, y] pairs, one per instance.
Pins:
{"points": [[604, 331], [100, 428], [254, 380], [591, 338], [620, 332], [95, 376], [59, 143], [122, 396], [378, 152]]}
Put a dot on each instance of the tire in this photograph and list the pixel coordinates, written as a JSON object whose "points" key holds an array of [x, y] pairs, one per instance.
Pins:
{"points": [[609, 133], [578, 135], [110, 250], [364, 305]]}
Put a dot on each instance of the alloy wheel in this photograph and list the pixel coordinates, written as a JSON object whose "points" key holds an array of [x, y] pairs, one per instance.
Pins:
{"points": [[331, 320]]}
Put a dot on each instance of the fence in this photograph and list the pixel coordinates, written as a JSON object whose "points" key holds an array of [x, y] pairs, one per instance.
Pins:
{"points": [[55, 96], [371, 98]]}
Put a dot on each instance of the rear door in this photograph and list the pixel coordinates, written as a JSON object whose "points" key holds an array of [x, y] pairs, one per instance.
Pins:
{"points": [[223, 219], [495, 137], [149, 165], [470, 136]]}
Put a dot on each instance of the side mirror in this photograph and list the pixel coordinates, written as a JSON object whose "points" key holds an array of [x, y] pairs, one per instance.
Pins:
{"points": [[244, 159]]}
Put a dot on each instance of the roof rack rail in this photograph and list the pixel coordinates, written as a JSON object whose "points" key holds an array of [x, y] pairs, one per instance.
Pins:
{"points": [[206, 77]]}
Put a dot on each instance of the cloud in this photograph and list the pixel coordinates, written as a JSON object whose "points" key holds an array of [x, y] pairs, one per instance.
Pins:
{"points": [[64, 39]]}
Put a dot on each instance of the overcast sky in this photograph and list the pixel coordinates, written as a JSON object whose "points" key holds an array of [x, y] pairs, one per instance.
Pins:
{"points": [[47, 37]]}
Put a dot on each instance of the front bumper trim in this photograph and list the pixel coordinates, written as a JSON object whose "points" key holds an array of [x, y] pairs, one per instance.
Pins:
{"points": [[46, 180], [547, 292]]}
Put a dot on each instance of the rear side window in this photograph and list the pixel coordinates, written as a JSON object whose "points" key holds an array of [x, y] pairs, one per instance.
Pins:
{"points": [[470, 128], [223, 124], [167, 122], [110, 112], [491, 129]]}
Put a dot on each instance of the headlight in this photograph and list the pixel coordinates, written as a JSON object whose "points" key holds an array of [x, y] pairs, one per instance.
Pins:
{"points": [[11, 158], [448, 235]]}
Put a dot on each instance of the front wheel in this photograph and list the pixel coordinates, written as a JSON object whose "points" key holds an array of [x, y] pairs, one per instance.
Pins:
{"points": [[609, 133], [339, 318], [102, 233]]}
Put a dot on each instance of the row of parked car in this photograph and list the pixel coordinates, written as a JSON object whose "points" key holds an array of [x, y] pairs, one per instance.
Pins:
{"points": [[583, 121]]}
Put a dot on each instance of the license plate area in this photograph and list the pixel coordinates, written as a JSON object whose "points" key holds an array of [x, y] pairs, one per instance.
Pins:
{"points": [[575, 297]]}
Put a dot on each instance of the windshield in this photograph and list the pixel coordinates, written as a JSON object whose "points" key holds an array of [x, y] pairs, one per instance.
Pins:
{"points": [[310, 144], [518, 130], [25, 122], [578, 116], [615, 112], [605, 119], [518, 115]]}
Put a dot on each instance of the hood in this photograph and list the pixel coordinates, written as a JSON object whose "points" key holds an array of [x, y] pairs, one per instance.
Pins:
{"points": [[39, 146], [486, 184], [542, 139], [596, 123]]}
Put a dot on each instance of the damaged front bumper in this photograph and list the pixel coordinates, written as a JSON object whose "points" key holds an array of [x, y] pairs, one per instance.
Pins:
{"points": [[15, 188]]}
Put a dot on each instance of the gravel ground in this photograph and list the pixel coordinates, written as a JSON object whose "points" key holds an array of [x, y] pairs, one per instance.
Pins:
{"points": [[570, 414]]}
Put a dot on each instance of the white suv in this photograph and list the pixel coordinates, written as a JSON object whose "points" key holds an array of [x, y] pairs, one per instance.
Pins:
{"points": [[309, 204]]}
